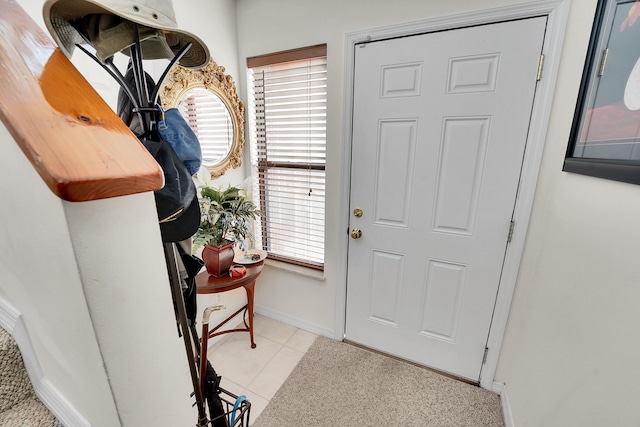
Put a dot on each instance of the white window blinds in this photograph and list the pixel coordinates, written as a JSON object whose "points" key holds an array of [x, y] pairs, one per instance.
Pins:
{"points": [[288, 123]]}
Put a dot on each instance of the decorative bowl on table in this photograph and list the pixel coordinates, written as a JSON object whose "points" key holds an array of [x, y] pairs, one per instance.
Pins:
{"points": [[252, 256]]}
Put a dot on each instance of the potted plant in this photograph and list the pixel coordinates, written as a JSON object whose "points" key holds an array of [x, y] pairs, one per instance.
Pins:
{"points": [[226, 220]]}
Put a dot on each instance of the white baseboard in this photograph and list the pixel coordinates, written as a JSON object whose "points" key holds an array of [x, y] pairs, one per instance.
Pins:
{"points": [[501, 389], [8, 317], [294, 321], [13, 322], [59, 406]]}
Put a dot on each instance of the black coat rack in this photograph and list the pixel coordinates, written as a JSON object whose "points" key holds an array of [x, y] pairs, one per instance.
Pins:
{"points": [[145, 105]]}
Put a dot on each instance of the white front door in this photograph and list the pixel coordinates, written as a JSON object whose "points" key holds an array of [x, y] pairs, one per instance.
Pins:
{"points": [[439, 131]]}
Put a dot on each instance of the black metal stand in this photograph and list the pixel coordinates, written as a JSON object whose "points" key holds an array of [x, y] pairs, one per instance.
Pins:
{"points": [[145, 106], [191, 342]]}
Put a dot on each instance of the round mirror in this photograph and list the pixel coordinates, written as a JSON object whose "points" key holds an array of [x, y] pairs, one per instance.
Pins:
{"points": [[209, 116], [208, 100]]}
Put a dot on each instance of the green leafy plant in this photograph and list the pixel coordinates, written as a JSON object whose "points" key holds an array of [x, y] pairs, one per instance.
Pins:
{"points": [[225, 215]]}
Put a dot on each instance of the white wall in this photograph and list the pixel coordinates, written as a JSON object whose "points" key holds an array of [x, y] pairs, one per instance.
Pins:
{"points": [[89, 281], [273, 25], [215, 23], [571, 351], [122, 267], [39, 278], [572, 344]]}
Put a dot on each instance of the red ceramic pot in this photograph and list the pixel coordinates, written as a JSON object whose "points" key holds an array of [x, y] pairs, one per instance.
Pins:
{"points": [[218, 261]]}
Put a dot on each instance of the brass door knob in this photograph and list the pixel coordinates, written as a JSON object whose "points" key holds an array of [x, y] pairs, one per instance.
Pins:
{"points": [[356, 233]]}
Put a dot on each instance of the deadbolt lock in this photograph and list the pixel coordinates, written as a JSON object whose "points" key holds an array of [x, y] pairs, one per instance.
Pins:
{"points": [[356, 233], [357, 212]]}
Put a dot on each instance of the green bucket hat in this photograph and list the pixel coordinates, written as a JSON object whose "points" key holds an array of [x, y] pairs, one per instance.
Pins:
{"points": [[108, 25]]}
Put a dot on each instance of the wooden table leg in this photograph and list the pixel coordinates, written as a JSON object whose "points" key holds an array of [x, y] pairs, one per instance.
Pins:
{"points": [[249, 288]]}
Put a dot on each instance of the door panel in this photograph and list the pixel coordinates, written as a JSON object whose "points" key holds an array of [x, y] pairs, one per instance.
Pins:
{"points": [[464, 144], [385, 289], [440, 126], [395, 172]]}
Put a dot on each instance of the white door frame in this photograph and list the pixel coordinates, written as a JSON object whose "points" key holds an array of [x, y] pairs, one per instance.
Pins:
{"points": [[557, 12]]}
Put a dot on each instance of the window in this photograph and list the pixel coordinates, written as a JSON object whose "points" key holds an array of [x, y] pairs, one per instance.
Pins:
{"points": [[287, 120], [605, 136]]}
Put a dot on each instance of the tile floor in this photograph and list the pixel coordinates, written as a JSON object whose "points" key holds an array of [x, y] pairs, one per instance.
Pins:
{"points": [[258, 373]]}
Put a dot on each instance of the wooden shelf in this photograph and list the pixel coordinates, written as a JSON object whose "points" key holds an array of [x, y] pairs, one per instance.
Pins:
{"points": [[76, 142]]}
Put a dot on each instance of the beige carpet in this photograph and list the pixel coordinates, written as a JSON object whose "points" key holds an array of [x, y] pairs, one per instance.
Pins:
{"points": [[19, 405], [338, 384]]}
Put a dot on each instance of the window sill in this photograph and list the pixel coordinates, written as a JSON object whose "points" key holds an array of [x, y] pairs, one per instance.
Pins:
{"points": [[296, 269]]}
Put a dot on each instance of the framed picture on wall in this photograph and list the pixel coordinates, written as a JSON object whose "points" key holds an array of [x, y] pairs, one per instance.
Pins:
{"points": [[605, 135]]}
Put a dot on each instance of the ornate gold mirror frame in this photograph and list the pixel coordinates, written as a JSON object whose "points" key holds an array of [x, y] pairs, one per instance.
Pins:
{"points": [[181, 81]]}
